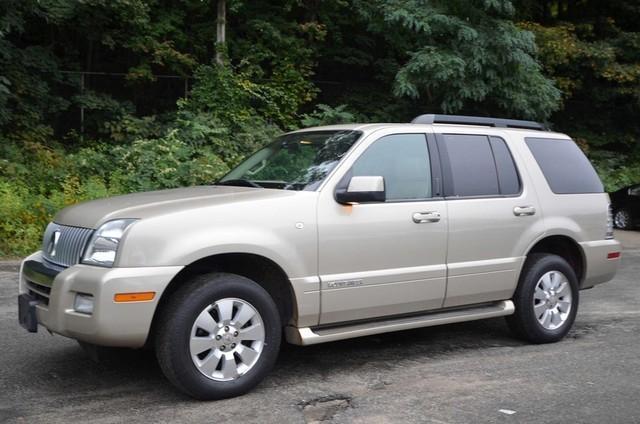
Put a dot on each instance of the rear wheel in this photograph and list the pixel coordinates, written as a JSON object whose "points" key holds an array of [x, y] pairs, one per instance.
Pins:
{"points": [[218, 336], [622, 219], [546, 299]]}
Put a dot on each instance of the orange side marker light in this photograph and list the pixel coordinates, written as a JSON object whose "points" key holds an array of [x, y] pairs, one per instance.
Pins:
{"points": [[134, 297]]}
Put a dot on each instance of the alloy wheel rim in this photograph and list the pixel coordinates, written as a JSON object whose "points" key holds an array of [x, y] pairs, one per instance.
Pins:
{"points": [[552, 300], [227, 339], [621, 219]]}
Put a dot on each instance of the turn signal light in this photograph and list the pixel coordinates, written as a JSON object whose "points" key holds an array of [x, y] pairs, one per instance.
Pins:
{"points": [[134, 297]]}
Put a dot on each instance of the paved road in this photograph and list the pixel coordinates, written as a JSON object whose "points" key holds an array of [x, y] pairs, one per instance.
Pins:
{"points": [[464, 373]]}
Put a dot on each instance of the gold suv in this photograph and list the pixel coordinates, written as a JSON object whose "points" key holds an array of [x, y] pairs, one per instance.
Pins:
{"points": [[331, 233]]}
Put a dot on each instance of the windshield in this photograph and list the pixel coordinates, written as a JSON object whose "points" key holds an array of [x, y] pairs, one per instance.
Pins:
{"points": [[298, 161]]}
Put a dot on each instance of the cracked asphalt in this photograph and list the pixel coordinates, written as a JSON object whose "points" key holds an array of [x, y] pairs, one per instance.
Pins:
{"points": [[463, 373]]}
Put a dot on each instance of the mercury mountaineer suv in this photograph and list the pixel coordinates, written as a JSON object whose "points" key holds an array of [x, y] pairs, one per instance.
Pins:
{"points": [[326, 234]]}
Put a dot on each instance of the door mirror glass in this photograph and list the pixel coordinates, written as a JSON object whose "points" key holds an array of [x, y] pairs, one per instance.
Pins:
{"points": [[362, 189]]}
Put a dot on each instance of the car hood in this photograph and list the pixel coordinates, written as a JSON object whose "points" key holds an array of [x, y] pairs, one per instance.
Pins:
{"points": [[94, 213]]}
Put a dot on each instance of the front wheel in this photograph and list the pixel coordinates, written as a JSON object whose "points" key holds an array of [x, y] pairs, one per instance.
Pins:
{"points": [[546, 299], [218, 336]]}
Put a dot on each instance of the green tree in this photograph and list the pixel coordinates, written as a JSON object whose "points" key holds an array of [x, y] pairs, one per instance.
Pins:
{"points": [[449, 56], [592, 51]]}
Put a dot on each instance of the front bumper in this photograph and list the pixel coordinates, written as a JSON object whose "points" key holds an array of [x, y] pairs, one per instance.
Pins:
{"points": [[111, 323]]}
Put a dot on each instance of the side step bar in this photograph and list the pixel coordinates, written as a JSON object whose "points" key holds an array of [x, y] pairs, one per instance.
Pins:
{"points": [[308, 336]]}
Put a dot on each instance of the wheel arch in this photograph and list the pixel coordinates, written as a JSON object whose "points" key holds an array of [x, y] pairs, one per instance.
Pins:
{"points": [[260, 269], [565, 247]]}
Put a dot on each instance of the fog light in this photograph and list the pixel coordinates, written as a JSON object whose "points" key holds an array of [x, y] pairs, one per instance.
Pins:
{"points": [[83, 303]]}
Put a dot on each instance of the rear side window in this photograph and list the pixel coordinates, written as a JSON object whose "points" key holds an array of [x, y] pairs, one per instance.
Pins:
{"points": [[473, 169], [479, 166], [566, 169], [508, 177]]}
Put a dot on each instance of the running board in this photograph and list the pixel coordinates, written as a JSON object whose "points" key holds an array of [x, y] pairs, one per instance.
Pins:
{"points": [[307, 336]]}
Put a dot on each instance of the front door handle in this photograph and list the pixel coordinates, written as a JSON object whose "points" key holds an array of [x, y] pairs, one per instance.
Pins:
{"points": [[524, 210], [424, 217]]}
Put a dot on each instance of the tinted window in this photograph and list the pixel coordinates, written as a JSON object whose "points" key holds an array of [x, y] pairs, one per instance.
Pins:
{"points": [[473, 169], [508, 178], [565, 167], [403, 161]]}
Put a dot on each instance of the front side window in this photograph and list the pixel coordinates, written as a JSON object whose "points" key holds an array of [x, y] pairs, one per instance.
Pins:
{"points": [[298, 161], [403, 161]]}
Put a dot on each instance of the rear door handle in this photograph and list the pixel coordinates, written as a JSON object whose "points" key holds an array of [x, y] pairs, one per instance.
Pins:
{"points": [[524, 210], [424, 217]]}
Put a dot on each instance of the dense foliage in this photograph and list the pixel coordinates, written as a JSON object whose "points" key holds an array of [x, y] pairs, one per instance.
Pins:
{"points": [[106, 97]]}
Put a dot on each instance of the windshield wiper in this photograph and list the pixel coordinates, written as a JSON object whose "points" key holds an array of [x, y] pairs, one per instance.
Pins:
{"points": [[239, 183]]}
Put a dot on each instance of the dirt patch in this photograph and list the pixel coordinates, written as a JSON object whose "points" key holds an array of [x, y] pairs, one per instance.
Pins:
{"points": [[323, 409], [579, 331]]}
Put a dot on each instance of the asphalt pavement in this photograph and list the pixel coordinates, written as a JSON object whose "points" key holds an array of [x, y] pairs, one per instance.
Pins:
{"points": [[463, 373]]}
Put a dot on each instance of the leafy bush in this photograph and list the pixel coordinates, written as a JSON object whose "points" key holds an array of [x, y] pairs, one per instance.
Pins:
{"points": [[615, 170], [197, 145], [167, 162], [327, 115]]}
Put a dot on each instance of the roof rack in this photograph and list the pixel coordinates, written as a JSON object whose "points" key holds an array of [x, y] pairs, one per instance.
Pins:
{"points": [[478, 120]]}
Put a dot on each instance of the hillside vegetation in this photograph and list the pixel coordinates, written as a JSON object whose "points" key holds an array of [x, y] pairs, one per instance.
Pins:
{"points": [[101, 97]]}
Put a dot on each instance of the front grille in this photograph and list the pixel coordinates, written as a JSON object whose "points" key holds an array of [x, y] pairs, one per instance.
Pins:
{"points": [[63, 245], [40, 292]]}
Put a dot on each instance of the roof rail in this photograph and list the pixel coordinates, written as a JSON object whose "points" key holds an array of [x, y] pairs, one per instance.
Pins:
{"points": [[478, 120]]}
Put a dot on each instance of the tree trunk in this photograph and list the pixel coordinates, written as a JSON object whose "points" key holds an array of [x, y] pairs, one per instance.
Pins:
{"points": [[221, 33]]}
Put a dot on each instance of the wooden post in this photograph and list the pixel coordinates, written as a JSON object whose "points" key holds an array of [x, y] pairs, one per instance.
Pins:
{"points": [[221, 30]]}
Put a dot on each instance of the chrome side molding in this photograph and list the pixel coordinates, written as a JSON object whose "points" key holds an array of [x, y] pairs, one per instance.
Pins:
{"points": [[308, 336]]}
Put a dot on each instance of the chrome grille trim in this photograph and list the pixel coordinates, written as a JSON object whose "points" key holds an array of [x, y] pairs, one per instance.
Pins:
{"points": [[70, 245]]}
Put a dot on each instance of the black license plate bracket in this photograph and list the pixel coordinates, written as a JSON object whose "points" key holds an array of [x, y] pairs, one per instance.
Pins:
{"points": [[27, 312]]}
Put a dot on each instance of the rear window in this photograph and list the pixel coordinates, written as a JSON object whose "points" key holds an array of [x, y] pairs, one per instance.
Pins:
{"points": [[566, 169]]}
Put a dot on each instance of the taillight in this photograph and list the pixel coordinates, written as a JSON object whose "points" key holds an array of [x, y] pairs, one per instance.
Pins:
{"points": [[609, 234]]}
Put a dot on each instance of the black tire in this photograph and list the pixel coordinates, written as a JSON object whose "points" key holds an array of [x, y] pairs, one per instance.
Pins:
{"points": [[622, 219], [524, 322], [177, 317]]}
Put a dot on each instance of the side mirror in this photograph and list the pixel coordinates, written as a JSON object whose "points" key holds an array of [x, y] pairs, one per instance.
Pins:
{"points": [[362, 190]]}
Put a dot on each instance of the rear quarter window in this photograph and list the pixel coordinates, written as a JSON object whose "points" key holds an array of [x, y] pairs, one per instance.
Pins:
{"points": [[566, 169]]}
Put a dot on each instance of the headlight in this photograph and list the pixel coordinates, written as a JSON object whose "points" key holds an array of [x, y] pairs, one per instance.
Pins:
{"points": [[103, 245]]}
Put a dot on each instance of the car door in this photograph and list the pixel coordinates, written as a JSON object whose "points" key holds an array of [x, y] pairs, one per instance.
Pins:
{"points": [[633, 200], [381, 259], [494, 215]]}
